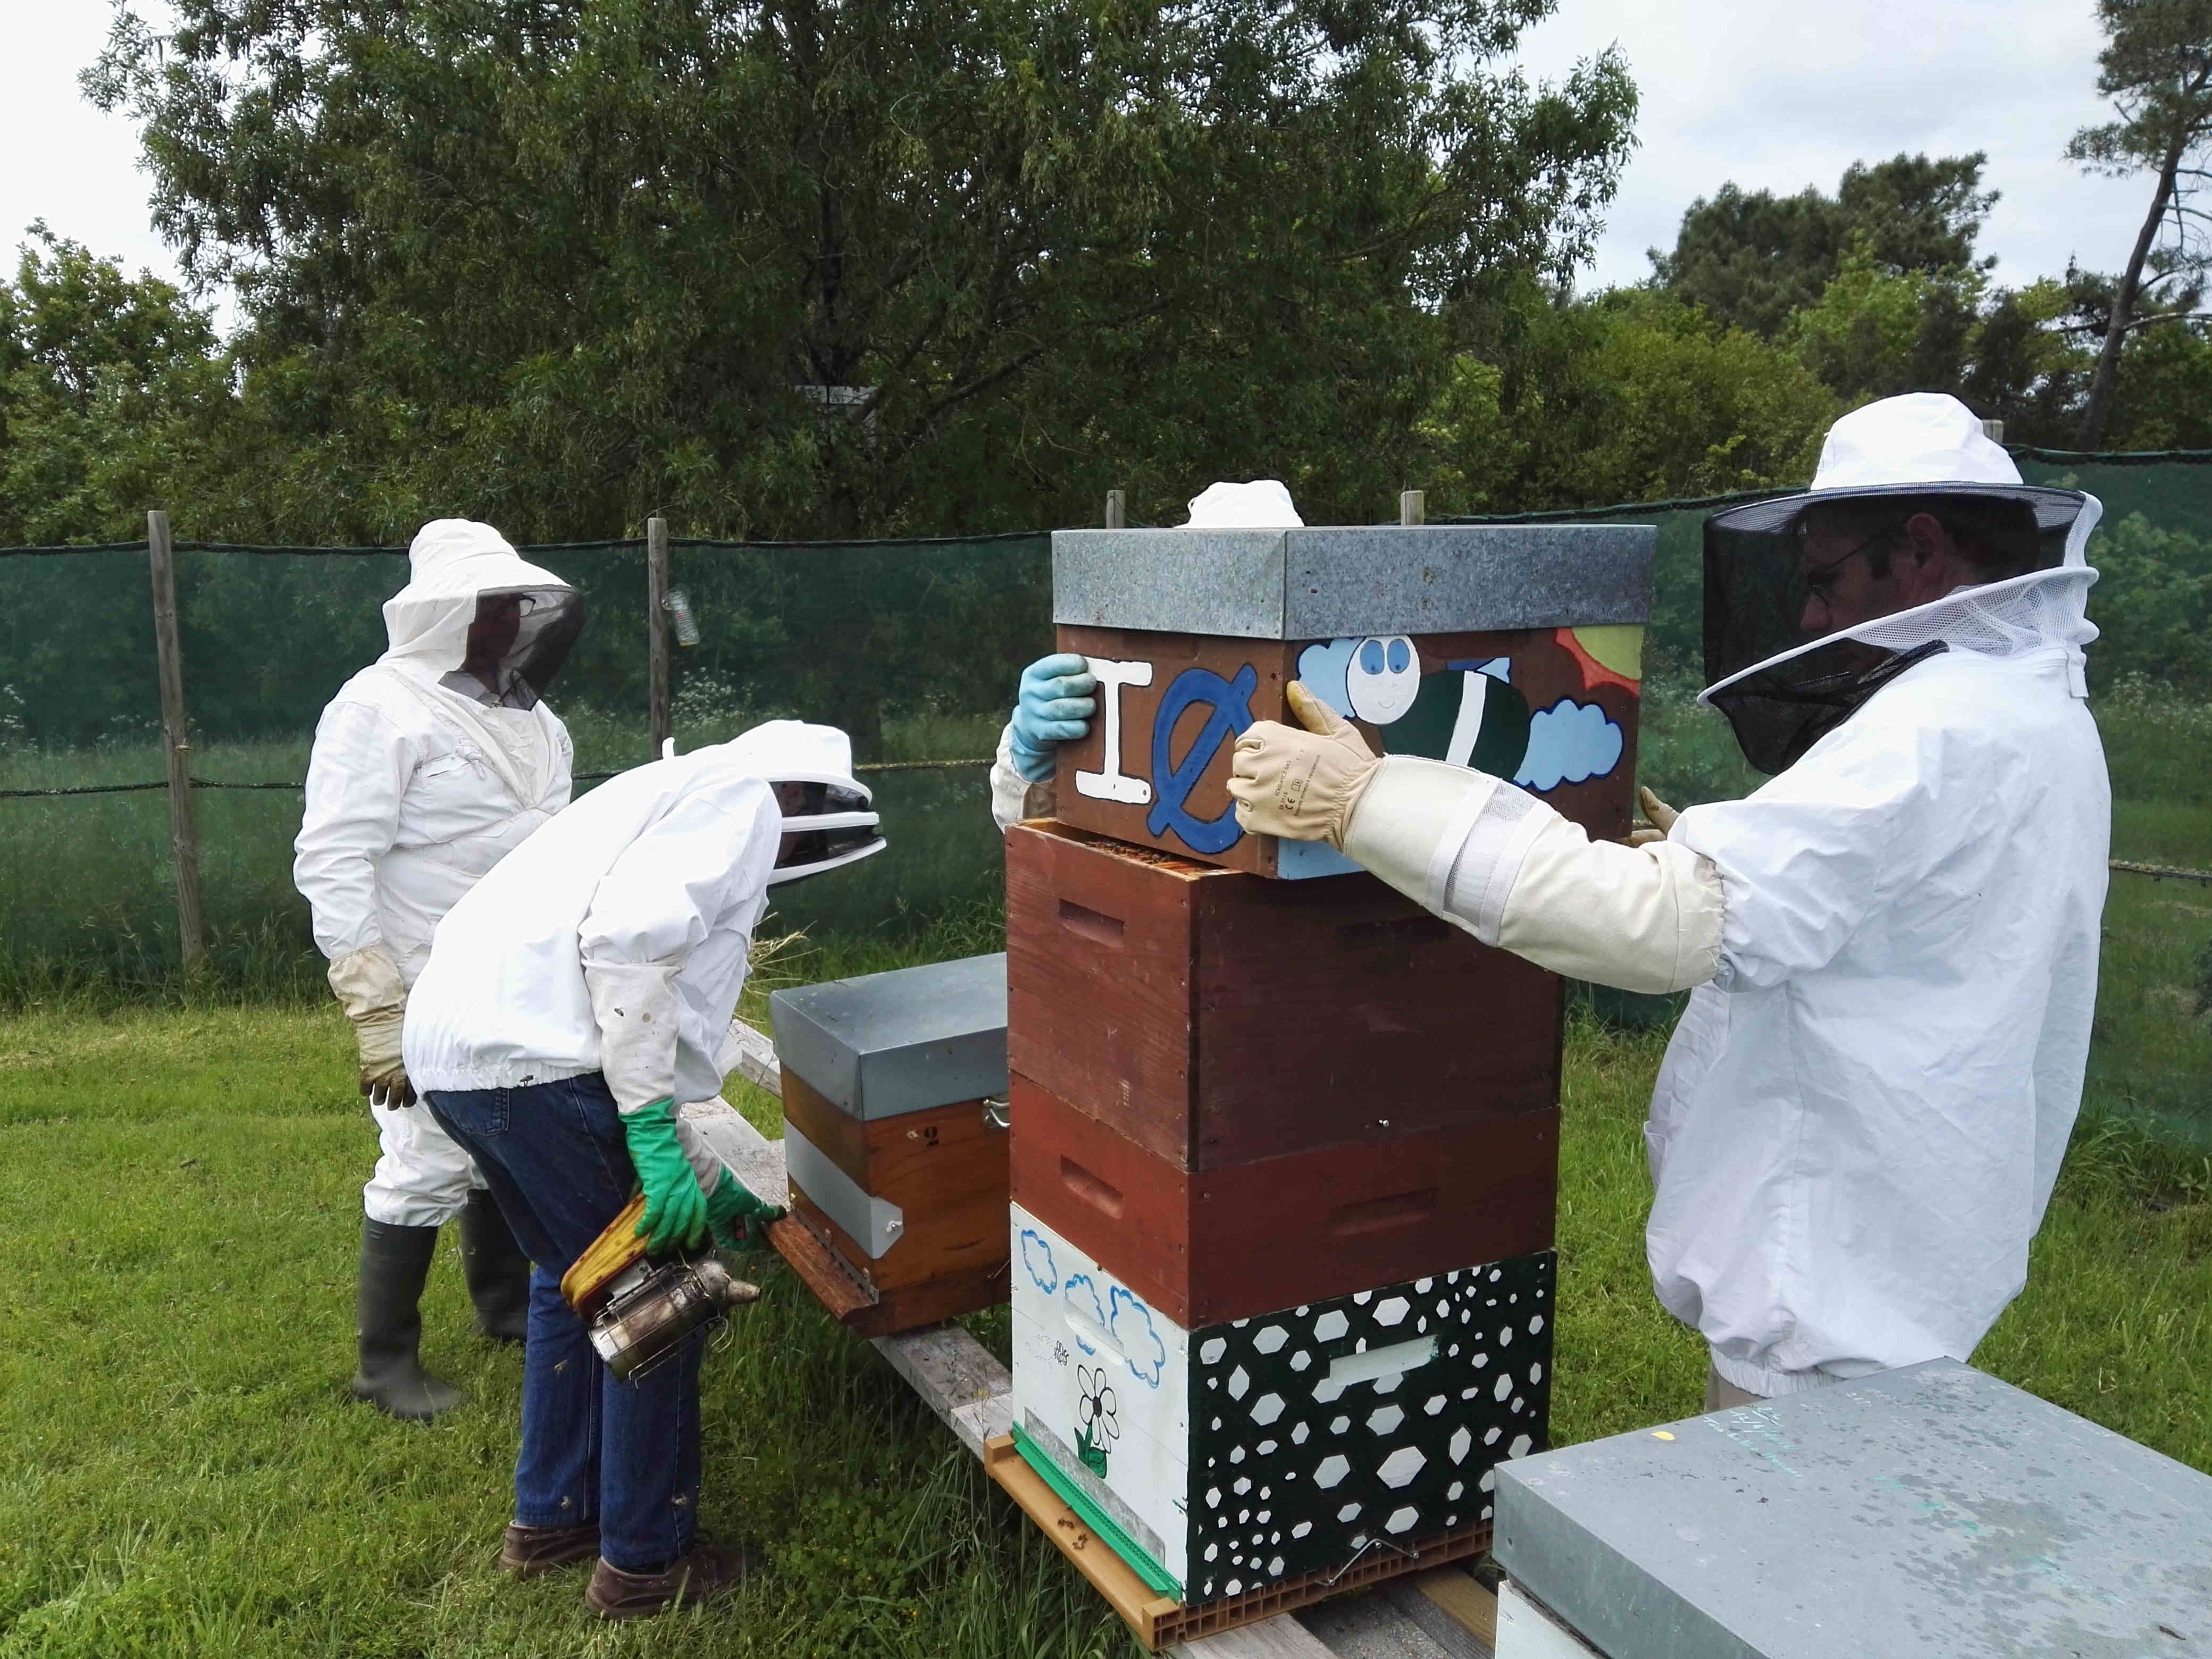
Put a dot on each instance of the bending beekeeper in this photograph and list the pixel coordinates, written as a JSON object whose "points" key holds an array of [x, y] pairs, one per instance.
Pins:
{"points": [[1892, 942], [574, 1002], [428, 766]]}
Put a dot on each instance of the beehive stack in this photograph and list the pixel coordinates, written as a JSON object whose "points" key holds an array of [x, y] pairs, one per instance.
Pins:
{"points": [[1285, 1146]]}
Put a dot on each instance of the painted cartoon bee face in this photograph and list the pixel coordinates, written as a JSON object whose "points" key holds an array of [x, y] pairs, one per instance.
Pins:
{"points": [[1383, 679]]}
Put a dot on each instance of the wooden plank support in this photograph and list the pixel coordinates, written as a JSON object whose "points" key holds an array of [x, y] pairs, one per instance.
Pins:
{"points": [[1117, 509], [1412, 507], [656, 632], [176, 742]]}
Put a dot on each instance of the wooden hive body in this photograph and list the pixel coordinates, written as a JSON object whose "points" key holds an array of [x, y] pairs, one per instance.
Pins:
{"points": [[900, 1191], [1237, 1454]]}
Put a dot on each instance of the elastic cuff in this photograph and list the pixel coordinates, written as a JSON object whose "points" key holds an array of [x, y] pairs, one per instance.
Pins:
{"points": [[1403, 825], [1768, 1384]]}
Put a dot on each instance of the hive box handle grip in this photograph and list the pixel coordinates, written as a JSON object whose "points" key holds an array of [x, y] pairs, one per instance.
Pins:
{"points": [[1093, 925]]}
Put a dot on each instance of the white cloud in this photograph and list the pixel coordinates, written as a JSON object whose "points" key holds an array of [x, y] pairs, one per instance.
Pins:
{"points": [[1778, 97]]}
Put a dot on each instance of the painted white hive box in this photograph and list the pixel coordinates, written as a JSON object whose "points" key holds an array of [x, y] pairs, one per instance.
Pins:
{"points": [[1236, 1455]]}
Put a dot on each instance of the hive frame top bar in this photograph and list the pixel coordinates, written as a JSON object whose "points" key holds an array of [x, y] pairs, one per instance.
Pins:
{"points": [[1333, 582]]}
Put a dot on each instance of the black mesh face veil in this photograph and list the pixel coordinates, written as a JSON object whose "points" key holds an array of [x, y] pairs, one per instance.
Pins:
{"points": [[1783, 688], [826, 825], [520, 638]]}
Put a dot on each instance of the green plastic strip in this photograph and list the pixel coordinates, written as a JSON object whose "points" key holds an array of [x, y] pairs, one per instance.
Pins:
{"points": [[1096, 1519]]}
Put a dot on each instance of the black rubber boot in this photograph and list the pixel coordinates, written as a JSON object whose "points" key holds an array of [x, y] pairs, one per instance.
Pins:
{"points": [[497, 1271], [394, 1262]]}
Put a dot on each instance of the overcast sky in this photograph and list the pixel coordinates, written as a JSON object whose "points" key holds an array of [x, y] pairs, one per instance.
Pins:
{"points": [[1772, 94]]}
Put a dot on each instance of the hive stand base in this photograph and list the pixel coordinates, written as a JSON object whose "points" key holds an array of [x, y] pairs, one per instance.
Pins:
{"points": [[1158, 1622]]}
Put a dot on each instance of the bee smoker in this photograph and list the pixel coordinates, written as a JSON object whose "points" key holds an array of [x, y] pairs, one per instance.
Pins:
{"points": [[639, 1309]]}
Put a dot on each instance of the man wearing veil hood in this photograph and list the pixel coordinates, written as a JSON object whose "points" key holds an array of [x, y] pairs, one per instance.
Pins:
{"points": [[1892, 942], [430, 765]]}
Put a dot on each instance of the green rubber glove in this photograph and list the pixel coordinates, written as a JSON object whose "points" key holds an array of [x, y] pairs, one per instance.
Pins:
{"points": [[731, 1210], [675, 1208]]}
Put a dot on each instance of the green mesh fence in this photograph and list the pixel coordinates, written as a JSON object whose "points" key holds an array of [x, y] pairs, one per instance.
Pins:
{"points": [[913, 646]]}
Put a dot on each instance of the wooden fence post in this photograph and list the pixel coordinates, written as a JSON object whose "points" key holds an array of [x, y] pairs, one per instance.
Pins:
{"points": [[184, 839], [1117, 509], [656, 631], [1412, 507]]}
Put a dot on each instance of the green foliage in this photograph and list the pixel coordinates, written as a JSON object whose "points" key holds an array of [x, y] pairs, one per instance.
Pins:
{"points": [[105, 382], [797, 269], [1631, 396], [1752, 259], [2153, 605]]}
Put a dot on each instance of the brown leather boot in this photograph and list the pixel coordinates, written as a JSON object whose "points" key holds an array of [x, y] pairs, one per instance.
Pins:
{"points": [[525, 1551], [704, 1574]]}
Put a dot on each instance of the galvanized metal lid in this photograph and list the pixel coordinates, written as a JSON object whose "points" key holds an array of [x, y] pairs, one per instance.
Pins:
{"points": [[1356, 580], [1930, 1511], [885, 1044]]}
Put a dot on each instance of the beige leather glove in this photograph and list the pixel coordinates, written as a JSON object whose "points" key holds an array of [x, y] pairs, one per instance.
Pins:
{"points": [[1662, 818], [370, 991], [1301, 786]]}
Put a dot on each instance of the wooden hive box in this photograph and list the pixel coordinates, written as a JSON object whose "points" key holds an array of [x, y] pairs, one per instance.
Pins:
{"points": [[1219, 1459], [1215, 1018], [895, 1140], [1517, 650], [1209, 1246]]}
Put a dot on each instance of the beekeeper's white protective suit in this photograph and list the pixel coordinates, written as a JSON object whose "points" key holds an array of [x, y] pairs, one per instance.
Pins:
{"points": [[1894, 943], [629, 915], [423, 779]]}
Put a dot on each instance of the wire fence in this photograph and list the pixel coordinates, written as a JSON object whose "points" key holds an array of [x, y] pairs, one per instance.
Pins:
{"points": [[913, 646]]}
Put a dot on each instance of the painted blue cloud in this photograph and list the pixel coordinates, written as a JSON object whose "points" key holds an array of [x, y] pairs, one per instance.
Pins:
{"points": [[1141, 1347], [1568, 742], [1035, 1251], [1081, 1290], [1321, 671]]}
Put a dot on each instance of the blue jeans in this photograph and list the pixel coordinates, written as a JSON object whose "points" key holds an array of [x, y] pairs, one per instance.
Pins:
{"points": [[625, 1455]]}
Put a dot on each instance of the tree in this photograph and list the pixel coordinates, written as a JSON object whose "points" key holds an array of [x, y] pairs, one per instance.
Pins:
{"points": [[1752, 259], [2156, 67], [794, 269]]}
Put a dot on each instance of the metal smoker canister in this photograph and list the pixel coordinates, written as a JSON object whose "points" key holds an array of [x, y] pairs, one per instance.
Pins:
{"points": [[653, 1309]]}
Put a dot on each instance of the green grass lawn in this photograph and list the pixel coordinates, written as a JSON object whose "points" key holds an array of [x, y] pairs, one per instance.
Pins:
{"points": [[179, 1212]]}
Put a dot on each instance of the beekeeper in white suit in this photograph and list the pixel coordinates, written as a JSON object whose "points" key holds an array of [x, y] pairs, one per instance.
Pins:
{"points": [[574, 1002], [430, 765], [1892, 943]]}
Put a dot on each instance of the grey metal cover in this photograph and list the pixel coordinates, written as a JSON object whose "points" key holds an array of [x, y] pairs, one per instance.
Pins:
{"points": [[1929, 1510], [907, 1041], [1353, 581]]}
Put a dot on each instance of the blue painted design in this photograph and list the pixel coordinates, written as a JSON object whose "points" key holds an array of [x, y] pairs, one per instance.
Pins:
{"points": [[1034, 1251], [1144, 1366], [1231, 702], [1498, 668], [1400, 654], [1568, 742], [1090, 1294], [1321, 670]]}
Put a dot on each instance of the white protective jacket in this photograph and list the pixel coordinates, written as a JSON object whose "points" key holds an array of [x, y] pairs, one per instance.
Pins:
{"points": [[641, 896], [415, 789]]}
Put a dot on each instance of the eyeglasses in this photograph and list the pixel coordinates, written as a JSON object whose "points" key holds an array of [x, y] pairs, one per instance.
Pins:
{"points": [[1821, 580]]}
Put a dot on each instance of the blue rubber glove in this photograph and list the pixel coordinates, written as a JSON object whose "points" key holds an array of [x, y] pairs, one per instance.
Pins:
{"points": [[1054, 705], [675, 1208]]}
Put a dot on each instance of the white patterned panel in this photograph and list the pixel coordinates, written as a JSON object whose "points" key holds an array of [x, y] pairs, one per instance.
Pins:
{"points": [[1097, 1368]]}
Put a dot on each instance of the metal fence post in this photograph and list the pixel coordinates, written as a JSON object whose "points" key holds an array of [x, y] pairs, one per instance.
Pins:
{"points": [[184, 839], [1412, 507], [656, 631], [1117, 509]]}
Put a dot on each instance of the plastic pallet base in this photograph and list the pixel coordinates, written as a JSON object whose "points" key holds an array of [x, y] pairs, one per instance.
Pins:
{"points": [[1158, 1622]]}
